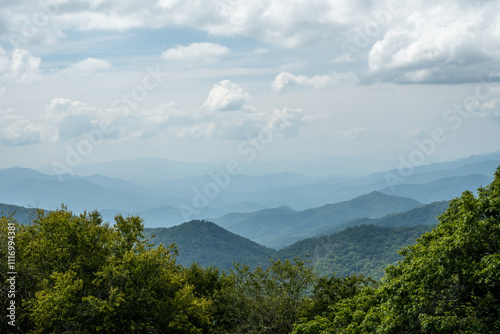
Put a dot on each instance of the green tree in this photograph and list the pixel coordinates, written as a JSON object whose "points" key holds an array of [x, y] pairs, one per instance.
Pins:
{"points": [[263, 301], [80, 275], [331, 290], [448, 282]]}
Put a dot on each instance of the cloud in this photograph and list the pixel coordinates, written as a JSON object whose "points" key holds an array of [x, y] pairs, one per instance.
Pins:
{"points": [[68, 119], [72, 119], [487, 107], [226, 96], [86, 67], [443, 42], [195, 51], [447, 41], [18, 131], [277, 22], [244, 126], [167, 118], [286, 80], [18, 66], [286, 121]]}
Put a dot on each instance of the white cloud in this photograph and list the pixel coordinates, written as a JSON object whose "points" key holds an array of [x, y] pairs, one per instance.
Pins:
{"points": [[289, 23], [72, 119], [18, 66], [286, 80], [286, 121], [442, 42], [489, 107], [244, 126], [86, 67], [226, 96], [447, 41], [195, 51], [18, 131]]}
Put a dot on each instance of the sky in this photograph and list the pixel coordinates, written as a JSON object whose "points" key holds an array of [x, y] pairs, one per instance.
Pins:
{"points": [[85, 81]]}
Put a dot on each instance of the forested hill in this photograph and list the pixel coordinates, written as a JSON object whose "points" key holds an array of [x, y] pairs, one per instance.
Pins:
{"points": [[423, 215], [21, 214], [209, 245], [365, 249], [278, 228]]}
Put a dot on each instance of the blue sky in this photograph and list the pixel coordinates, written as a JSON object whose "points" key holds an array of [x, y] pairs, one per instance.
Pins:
{"points": [[196, 80]]}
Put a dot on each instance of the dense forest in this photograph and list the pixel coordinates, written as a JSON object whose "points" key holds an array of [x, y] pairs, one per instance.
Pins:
{"points": [[77, 274], [209, 245], [365, 249]]}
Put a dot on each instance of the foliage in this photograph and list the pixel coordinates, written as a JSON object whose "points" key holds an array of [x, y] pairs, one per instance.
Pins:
{"points": [[263, 301], [76, 274], [448, 282], [365, 249]]}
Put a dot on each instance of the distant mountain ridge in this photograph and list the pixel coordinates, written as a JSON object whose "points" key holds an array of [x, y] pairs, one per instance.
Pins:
{"points": [[441, 189], [423, 215], [280, 227], [161, 199]]}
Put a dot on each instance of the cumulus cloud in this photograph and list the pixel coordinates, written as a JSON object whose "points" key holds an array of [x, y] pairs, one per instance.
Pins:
{"points": [[286, 122], [18, 66], [442, 42], [18, 131], [286, 80], [488, 106], [71, 119], [277, 22], [195, 51], [244, 126], [226, 96], [447, 41], [167, 118], [86, 67]]}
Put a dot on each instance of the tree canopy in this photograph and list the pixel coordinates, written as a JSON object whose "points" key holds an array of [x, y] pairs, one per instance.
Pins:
{"points": [[447, 282]]}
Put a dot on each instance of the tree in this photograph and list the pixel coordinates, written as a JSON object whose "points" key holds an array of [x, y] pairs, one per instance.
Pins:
{"points": [[80, 275], [263, 301], [448, 281]]}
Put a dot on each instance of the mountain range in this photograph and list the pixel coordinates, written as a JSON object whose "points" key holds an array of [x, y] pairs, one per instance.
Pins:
{"points": [[280, 227], [362, 246], [160, 190]]}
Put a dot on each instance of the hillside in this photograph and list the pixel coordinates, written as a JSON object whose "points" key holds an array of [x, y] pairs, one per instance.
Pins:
{"points": [[365, 249], [22, 214], [280, 227], [209, 245], [423, 215], [439, 190]]}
